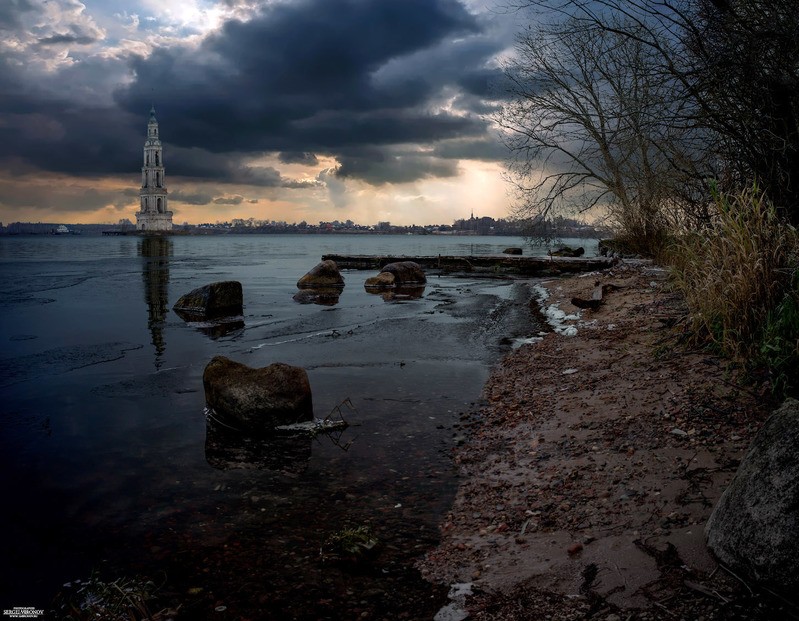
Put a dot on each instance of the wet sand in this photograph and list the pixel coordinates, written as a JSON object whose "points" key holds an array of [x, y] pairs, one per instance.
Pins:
{"points": [[593, 464]]}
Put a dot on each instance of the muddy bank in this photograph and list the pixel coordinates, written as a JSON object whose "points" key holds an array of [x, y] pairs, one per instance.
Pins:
{"points": [[592, 466]]}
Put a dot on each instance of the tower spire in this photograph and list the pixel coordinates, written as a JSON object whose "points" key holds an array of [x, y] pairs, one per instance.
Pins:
{"points": [[153, 214]]}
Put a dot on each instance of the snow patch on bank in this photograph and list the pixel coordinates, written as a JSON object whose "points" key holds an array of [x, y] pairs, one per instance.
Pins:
{"points": [[556, 317], [456, 609]]}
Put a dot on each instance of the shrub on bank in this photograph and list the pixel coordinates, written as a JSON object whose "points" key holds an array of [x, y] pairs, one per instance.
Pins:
{"points": [[740, 281]]}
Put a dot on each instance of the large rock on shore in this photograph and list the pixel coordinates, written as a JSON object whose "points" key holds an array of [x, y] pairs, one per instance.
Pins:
{"points": [[566, 251], [754, 528], [399, 274], [324, 274], [513, 250], [257, 400], [219, 299]]}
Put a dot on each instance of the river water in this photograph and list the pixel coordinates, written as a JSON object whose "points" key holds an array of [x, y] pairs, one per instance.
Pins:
{"points": [[111, 466]]}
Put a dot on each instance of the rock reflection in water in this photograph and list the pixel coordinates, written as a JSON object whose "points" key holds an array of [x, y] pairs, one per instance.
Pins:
{"points": [[155, 251], [216, 327], [229, 449], [324, 296], [398, 294]]}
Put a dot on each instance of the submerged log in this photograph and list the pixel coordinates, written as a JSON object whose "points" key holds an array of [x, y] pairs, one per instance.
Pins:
{"points": [[489, 264], [566, 251]]}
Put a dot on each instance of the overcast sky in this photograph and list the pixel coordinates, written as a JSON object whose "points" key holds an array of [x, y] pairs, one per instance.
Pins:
{"points": [[369, 110]]}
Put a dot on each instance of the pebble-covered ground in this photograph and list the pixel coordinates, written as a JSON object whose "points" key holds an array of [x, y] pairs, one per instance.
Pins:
{"points": [[593, 464]]}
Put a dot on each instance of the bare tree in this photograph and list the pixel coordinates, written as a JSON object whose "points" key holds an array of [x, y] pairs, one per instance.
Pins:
{"points": [[733, 67], [746, 65], [593, 120]]}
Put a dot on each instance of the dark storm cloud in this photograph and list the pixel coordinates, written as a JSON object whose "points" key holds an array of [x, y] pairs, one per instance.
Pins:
{"points": [[190, 198], [56, 136], [229, 200], [224, 167], [310, 77], [298, 157], [306, 78], [380, 167], [77, 35], [488, 83], [10, 11], [300, 75], [488, 149], [25, 192]]}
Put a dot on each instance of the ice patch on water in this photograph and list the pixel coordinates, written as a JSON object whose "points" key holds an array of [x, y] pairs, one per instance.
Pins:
{"points": [[60, 360]]}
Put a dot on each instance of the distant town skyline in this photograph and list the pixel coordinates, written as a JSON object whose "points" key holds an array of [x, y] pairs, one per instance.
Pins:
{"points": [[266, 110]]}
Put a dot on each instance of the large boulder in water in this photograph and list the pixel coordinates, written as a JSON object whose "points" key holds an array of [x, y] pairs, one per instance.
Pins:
{"points": [[754, 528], [399, 274], [219, 299], [406, 273], [514, 250], [257, 400], [324, 274]]}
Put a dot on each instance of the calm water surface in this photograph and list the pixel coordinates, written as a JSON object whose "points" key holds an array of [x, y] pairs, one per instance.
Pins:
{"points": [[110, 465]]}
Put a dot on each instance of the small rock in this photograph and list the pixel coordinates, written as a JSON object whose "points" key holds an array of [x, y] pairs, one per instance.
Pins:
{"points": [[678, 432], [575, 548]]}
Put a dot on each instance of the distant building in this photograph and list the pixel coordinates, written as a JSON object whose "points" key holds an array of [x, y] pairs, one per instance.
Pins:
{"points": [[153, 214]]}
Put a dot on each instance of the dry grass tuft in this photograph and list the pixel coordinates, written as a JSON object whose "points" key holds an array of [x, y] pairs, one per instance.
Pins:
{"points": [[740, 282]]}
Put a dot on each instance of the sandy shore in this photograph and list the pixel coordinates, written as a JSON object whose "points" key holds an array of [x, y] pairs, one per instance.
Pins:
{"points": [[593, 464]]}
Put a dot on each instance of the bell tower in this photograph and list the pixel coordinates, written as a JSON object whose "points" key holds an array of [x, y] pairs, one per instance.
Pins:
{"points": [[153, 214]]}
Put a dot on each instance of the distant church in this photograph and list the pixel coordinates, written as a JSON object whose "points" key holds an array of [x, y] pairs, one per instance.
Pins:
{"points": [[153, 214]]}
